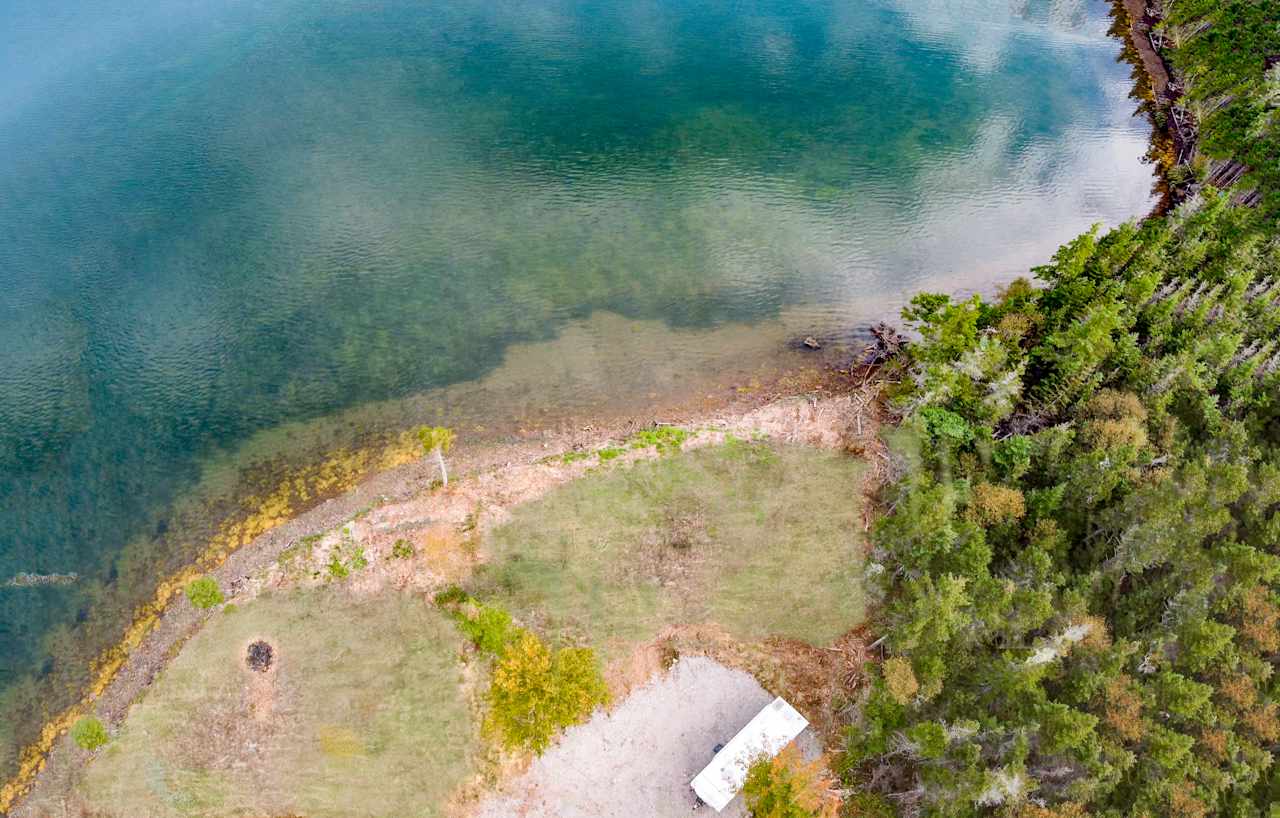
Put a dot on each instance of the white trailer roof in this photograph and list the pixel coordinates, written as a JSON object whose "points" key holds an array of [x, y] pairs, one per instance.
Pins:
{"points": [[765, 735]]}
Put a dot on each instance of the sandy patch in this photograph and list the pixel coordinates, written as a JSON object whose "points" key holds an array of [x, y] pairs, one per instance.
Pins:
{"points": [[639, 759]]}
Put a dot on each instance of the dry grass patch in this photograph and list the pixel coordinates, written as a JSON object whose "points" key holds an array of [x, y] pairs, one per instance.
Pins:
{"points": [[362, 711], [341, 700], [764, 539]]}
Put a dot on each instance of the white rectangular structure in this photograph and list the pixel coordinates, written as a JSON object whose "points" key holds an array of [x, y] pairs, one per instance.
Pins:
{"points": [[765, 735]]}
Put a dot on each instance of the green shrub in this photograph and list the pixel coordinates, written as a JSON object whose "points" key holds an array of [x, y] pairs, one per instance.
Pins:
{"points": [[402, 550], [337, 569], [341, 569], [666, 439], [453, 595], [536, 692], [945, 425], [1012, 456], [205, 593], [358, 560], [489, 628], [930, 739], [609, 453], [89, 733]]}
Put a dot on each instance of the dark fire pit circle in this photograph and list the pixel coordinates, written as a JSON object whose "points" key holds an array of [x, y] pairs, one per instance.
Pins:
{"points": [[260, 656]]}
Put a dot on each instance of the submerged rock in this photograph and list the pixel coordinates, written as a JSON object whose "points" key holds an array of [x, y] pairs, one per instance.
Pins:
{"points": [[26, 580]]}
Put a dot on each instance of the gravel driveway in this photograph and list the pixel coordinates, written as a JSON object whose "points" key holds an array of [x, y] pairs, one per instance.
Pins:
{"points": [[637, 761]]}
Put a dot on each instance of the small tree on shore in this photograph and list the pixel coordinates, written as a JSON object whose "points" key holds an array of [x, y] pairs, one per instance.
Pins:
{"points": [[536, 692], [437, 440]]}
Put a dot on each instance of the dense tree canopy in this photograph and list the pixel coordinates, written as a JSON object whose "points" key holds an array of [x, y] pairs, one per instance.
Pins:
{"points": [[1081, 578]]}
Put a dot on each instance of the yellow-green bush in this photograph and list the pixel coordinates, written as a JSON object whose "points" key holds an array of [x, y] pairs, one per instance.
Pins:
{"points": [[89, 733], [537, 692], [204, 593]]}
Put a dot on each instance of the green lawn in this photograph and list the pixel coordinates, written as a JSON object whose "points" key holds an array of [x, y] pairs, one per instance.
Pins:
{"points": [[765, 540], [368, 717], [366, 710]]}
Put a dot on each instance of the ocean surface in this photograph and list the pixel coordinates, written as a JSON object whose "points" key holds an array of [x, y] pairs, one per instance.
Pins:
{"points": [[234, 232]]}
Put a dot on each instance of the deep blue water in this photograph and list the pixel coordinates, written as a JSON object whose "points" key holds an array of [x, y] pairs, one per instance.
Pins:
{"points": [[222, 216]]}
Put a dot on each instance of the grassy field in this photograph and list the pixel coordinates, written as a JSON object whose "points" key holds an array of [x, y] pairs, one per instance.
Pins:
{"points": [[764, 540], [365, 711], [362, 714]]}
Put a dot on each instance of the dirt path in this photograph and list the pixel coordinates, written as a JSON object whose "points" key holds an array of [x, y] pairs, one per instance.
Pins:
{"points": [[639, 759]]}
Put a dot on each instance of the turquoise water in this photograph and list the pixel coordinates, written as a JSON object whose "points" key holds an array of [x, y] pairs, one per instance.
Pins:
{"points": [[219, 217]]}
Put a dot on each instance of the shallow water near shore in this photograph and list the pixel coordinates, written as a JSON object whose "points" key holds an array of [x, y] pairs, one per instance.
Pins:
{"points": [[237, 235]]}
